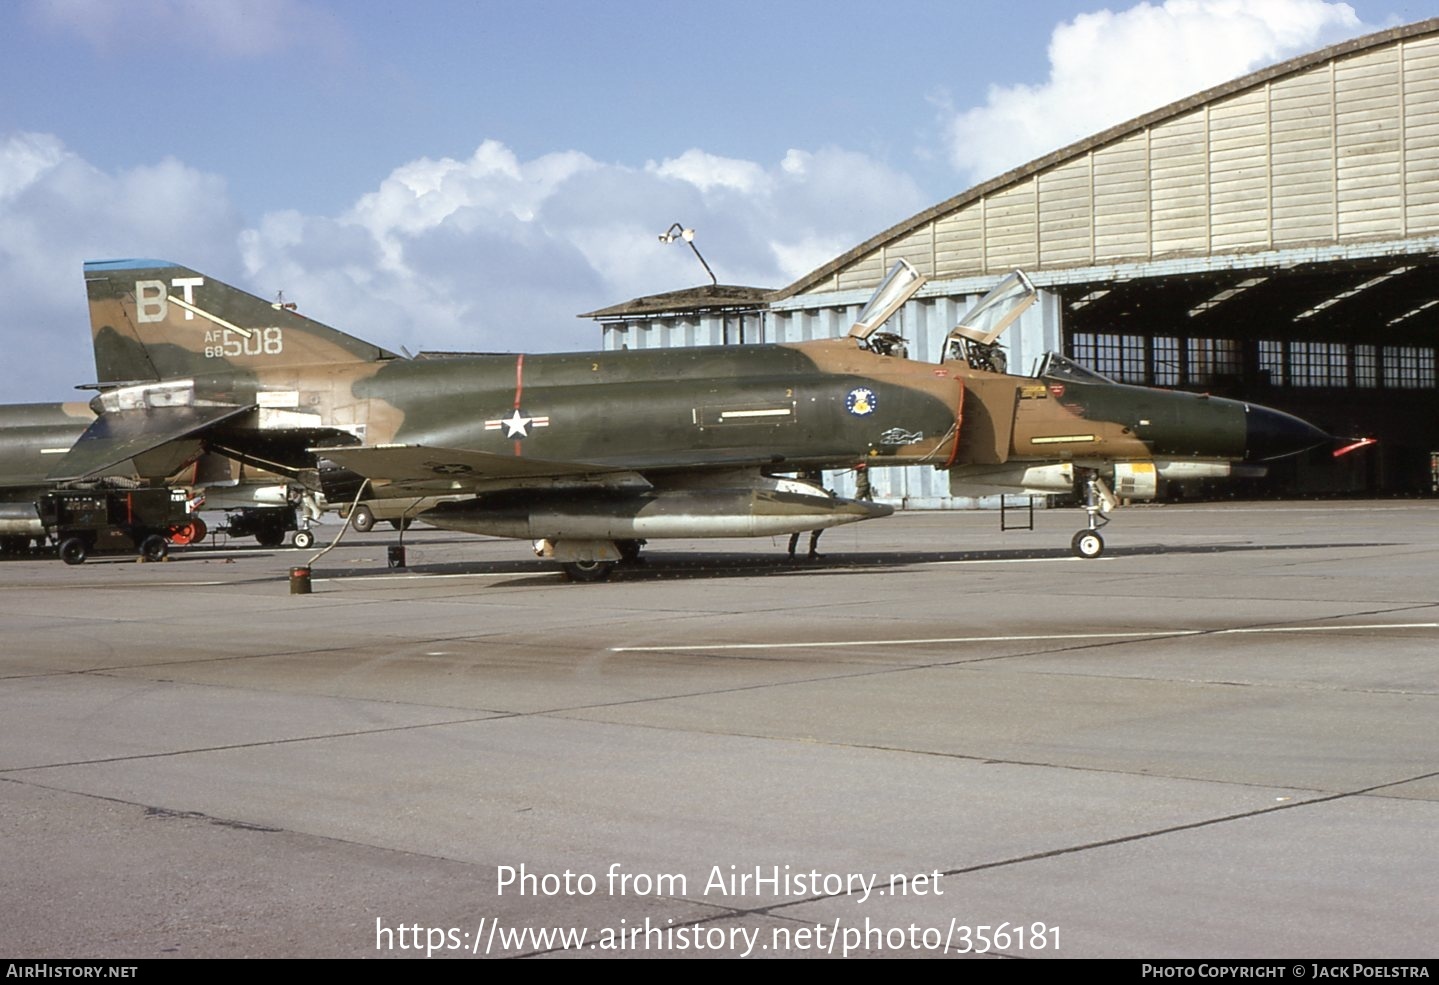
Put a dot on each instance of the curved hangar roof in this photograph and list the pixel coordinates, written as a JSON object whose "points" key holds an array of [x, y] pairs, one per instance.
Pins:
{"points": [[1329, 158]]}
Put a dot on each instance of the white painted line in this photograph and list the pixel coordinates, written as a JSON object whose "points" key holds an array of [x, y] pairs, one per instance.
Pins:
{"points": [[142, 585], [359, 579], [776, 412], [1333, 629], [910, 642], [1061, 439], [1024, 560], [247, 333], [1151, 634]]}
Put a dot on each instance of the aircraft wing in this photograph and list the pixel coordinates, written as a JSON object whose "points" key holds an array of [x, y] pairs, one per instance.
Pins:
{"points": [[425, 470], [119, 435], [422, 469]]}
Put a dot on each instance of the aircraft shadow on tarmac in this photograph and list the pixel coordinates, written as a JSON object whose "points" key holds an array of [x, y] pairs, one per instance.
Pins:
{"points": [[672, 565], [662, 565]]}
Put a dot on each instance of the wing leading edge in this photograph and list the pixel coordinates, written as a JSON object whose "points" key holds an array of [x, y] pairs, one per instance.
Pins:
{"points": [[427, 470]]}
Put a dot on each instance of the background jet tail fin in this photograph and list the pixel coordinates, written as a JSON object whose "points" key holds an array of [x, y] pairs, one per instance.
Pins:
{"points": [[156, 320]]}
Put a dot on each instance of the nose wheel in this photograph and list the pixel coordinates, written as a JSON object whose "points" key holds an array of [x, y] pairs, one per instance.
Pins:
{"points": [[1098, 501], [1087, 544]]}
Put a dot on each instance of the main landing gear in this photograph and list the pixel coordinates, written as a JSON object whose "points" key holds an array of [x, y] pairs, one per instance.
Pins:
{"points": [[590, 560], [1098, 501], [588, 571]]}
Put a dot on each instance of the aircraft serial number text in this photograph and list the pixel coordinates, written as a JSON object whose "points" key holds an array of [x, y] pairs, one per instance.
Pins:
{"points": [[227, 344]]}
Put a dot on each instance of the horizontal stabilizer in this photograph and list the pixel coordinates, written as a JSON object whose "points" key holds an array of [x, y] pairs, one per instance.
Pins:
{"points": [[120, 435]]}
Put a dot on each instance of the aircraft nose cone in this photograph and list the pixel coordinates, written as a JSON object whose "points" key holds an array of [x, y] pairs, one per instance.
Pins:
{"points": [[1273, 434]]}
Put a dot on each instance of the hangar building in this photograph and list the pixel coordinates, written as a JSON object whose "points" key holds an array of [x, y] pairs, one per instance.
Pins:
{"points": [[1273, 238]]}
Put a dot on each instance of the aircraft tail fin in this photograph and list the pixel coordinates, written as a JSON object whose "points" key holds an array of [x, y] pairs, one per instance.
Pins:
{"points": [[156, 320]]}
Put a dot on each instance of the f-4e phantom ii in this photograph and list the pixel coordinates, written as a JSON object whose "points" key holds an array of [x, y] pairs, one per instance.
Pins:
{"points": [[591, 454]]}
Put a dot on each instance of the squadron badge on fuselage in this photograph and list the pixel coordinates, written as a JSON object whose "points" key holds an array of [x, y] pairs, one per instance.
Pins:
{"points": [[861, 402]]}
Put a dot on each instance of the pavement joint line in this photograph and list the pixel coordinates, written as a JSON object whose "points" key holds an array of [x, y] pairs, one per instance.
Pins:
{"points": [[923, 641], [11, 771]]}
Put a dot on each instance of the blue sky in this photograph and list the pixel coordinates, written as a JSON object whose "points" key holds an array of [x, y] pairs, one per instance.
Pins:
{"points": [[472, 175]]}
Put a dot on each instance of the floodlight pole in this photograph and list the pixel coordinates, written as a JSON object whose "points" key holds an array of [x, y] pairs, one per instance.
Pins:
{"points": [[677, 231]]}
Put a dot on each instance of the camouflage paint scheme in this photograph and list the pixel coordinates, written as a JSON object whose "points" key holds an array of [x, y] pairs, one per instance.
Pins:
{"points": [[34, 438], [674, 442]]}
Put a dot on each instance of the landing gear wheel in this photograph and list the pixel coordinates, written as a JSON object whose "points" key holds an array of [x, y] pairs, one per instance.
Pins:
{"points": [[270, 536], [72, 551], [154, 548], [362, 519], [304, 540], [629, 550], [1087, 544], [588, 571]]}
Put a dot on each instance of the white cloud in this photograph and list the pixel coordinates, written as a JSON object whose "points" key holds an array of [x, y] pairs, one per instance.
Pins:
{"points": [[24, 158], [56, 211], [494, 253], [1107, 67], [490, 252], [709, 171], [491, 186]]}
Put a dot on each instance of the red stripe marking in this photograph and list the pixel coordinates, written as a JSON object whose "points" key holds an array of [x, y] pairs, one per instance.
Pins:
{"points": [[519, 389], [958, 422]]}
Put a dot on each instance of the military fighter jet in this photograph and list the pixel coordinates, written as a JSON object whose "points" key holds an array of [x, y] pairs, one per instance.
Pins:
{"points": [[591, 454]]}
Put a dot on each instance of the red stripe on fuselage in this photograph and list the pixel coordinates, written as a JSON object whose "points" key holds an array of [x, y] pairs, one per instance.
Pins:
{"points": [[519, 389], [958, 422]]}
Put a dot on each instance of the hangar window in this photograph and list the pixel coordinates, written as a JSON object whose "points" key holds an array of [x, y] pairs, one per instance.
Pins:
{"points": [[1131, 359], [1169, 361], [1271, 362], [1119, 357], [1165, 359], [1210, 359], [1318, 364], [1366, 369], [1408, 367]]}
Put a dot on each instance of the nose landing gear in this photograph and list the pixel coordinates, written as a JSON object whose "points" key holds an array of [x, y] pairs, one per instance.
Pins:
{"points": [[1098, 501]]}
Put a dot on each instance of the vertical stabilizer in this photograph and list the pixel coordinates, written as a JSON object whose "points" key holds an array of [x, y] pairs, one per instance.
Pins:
{"points": [[155, 320]]}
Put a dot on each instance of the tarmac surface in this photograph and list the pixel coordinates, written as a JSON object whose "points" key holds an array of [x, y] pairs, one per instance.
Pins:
{"points": [[1217, 740]]}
